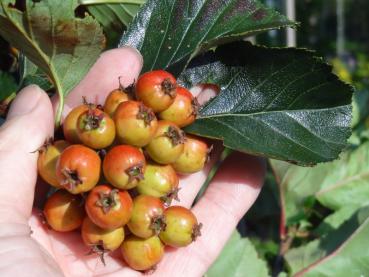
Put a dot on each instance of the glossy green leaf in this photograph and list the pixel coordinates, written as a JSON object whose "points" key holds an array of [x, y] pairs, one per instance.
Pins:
{"points": [[280, 103], [8, 85], [49, 34], [168, 33], [238, 258], [342, 252]]}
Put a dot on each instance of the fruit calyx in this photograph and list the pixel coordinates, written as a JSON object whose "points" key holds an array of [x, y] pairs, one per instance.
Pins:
{"points": [[100, 250], [108, 200], [130, 89], [92, 120], [177, 136], [158, 224], [146, 114], [170, 196], [71, 179], [169, 88], [48, 142], [196, 231], [135, 173], [195, 106]]}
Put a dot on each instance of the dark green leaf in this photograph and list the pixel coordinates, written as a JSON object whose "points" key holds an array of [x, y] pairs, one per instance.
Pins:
{"points": [[281, 103], [49, 34], [238, 258], [8, 85], [168, 33]]}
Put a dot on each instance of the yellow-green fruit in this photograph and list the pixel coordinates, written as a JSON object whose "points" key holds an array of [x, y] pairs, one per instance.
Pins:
{"points": [[142, 254]]}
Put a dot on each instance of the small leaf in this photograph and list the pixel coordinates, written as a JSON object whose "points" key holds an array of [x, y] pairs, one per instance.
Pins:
{"points": [[8, 85], [280, 103], [237, 258], [168, 33], [49, 34]]}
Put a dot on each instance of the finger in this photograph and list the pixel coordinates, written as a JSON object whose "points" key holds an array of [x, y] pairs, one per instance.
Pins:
{"points": [[103, 77], [29, 123], [231, 193]]}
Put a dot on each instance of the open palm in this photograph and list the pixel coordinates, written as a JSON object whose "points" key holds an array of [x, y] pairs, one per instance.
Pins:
{"points": [[28, 248]]}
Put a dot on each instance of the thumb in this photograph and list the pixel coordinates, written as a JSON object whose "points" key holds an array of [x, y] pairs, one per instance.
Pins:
{"points": [[29, 123]]}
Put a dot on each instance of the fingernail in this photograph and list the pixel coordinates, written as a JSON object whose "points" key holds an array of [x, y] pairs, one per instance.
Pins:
{"points": [[25, 102]]}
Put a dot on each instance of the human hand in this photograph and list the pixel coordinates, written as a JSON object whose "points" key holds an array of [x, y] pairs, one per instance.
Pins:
{"points": [[43, 252]]}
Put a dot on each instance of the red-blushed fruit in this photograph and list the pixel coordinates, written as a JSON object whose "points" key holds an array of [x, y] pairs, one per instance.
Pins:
{"points": [[78, 169], [70, 124], [63, 211], [101, 240], [95, 128], [159, 181], [142, 254], [109, 208], [194, 156], [136, 124], [124, 166], [156, 89], [47, 159], [181, 227], [183, 110], [113, 100], [167, 144], [147, 216]]}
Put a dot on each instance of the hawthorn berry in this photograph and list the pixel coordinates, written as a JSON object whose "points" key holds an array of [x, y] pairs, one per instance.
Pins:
{"points": [[159, 181], [184, 109], [136, 124], [195, 155], [109, 208], [147, 216], [47, 159], [114, 98], [167, 144], [156, 89], [70, 124], [142, 254], [181, 227], [95, 128], [124, 166], [78, 169], [64, 211]]}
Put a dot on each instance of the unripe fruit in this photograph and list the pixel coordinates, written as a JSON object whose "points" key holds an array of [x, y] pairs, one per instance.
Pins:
{"points": [[109, 208], [70, 124], [156, 89], [101, 239], [78, 169], [124, 166], [47, 159], [183, 110], [136, 124], [113, 100], [147, 216], [159, 181], [63, 211], [142, 254], [181, 227], [95, 128], [194, 156], [167, 144]]}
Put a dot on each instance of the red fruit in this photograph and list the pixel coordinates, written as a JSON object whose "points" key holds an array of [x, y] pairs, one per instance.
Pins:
{"points": [[47, 159], [167, 144], [156, 89], [147, 216], [124, 166], [78, 169], [181, 227], [136, 124], [194, 156], [95, 128], [183, 110], [159, 181], [108, 208], [101, 240], [64, 211], [113, 100], [70, 124], [142, 254]]}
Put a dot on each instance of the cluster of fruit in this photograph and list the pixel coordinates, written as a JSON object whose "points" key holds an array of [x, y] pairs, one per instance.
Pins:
{"points": [[139, 157]]}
